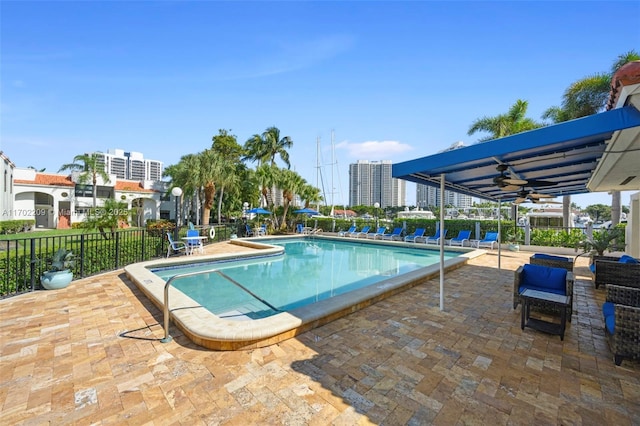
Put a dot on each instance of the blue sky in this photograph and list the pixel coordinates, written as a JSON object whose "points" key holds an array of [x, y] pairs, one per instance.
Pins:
{"points": [[393, 80]]}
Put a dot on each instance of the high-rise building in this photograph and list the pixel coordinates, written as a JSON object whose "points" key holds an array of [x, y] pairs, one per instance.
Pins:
{"points": [[130, 165], [370, 182], [427, 196]]}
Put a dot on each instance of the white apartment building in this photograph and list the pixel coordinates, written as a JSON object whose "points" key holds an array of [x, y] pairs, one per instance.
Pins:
{"points": [[370, 182], [130, 165]]}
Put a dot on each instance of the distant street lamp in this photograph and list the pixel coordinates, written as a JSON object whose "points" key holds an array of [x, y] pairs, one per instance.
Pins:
{"points": [[176, 192], [376, 206]]}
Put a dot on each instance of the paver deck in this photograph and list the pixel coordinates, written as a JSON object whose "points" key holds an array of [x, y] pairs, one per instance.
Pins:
{"points": [[91, 354]]}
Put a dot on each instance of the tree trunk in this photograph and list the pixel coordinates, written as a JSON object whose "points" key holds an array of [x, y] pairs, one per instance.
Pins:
{"points": [[566, 212], [220, 204], [616, 206], [209, 193]]}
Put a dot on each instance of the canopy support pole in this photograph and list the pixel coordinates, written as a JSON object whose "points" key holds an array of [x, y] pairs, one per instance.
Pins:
{"points": [[499, 233], [442, 242]]}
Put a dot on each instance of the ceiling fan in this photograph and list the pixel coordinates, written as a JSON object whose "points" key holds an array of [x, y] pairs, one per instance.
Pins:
{"points": [[507, 183], [524, 195]]}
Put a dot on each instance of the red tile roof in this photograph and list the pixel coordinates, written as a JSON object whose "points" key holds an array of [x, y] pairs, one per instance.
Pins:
{"points": [[627, 75], [131, 186], [48, 179]]}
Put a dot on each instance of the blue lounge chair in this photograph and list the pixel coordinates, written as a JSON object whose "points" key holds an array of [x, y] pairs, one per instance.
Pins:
{"points": [[347, 232], [299, 228], [248, 230], [396, 234], [490, 238], [433, 239], [419, 232], [381, 230], [463, 236], [175, 246], [363, 232]]}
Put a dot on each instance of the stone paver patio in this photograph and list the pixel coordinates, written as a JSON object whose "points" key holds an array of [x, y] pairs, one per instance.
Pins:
{"points": [[90, 354]]}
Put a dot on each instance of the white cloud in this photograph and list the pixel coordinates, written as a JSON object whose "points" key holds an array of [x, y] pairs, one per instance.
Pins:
{"points": [[374, 150]]}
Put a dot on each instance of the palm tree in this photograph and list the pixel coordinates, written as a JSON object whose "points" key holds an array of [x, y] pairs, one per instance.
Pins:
{"points": [[507, 124], [225, 145], [90, 166], [267, 176], [264, 148], [584, 97], [291, 183]]}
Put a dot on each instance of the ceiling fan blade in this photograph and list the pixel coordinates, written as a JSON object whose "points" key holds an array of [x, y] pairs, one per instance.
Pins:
{"points": [[511, 181], [534, 195], [537, 183], [520, 200], [510, 188]]}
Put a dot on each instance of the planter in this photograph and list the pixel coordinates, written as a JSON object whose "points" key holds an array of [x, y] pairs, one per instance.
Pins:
{"points": [[514, 247], [54, 280]]}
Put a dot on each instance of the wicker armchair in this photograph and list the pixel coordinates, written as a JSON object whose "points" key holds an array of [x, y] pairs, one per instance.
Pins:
{"points": [[519, 281], [609, 270], [622, 322], [552, 261]]}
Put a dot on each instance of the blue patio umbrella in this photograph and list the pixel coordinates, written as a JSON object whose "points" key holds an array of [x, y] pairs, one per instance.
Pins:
{"points": [[259, 210], [306, 210]]}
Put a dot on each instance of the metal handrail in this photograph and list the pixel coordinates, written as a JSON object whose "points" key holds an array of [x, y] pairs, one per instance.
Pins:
{"points": [[165, 312]]}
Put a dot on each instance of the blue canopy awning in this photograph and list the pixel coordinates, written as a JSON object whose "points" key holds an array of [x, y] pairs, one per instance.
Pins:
{"points": [[565, 153]]}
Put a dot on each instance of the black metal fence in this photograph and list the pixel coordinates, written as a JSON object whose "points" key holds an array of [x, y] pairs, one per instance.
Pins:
{"points": [[23, 260]]}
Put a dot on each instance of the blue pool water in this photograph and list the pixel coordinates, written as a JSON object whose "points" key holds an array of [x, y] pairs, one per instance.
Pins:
{"points": [[310, 270]]}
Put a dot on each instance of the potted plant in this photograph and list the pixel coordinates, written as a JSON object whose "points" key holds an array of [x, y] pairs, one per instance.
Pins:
{"points": [[601, 241], [59, 274]]}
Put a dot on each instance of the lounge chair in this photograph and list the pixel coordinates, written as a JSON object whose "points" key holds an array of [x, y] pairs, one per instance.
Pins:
{"points": [[381, 230], [463, 236], [396, 234], [418, 233], [299, 228], [347, 232], [248, 230], [433, 239], [175, 246], [363, 232], [490, 238]]}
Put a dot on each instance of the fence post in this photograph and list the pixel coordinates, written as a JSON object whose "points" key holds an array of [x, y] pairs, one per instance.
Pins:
{"points": [[117, 259], [34, 260], [81, 255], [143, 246]]}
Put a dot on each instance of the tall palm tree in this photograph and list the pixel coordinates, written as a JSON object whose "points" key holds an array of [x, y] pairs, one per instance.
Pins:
{"points": [[584, 97], [267, 176], [90, 167], [514, 121]]}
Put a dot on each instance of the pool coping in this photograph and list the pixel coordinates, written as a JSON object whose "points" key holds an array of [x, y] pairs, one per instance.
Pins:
{"points": [[210, 331]]}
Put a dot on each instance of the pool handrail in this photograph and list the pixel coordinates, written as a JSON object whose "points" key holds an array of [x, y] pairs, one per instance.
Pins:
{"points": [[165, 311]]}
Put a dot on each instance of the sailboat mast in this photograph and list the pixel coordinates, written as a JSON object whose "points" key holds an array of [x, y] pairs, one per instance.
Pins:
{"points": [[333, 164]]}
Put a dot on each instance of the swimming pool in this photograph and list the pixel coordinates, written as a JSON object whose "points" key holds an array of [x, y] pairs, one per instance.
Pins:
{"points": [[306, 272], [294, 314]]}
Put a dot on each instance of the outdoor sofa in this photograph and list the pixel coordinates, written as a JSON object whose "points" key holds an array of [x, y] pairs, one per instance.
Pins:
{"points": [[621, 313], [624, 270]]}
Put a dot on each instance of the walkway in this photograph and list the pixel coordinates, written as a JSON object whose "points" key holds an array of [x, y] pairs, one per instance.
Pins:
{"points": [[91, 354]]}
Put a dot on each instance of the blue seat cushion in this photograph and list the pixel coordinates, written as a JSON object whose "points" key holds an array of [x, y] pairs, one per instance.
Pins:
{"points": [[543, 278], [607, 309], [610, 323], [627, 259], [593, 267], [549, 257]]}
